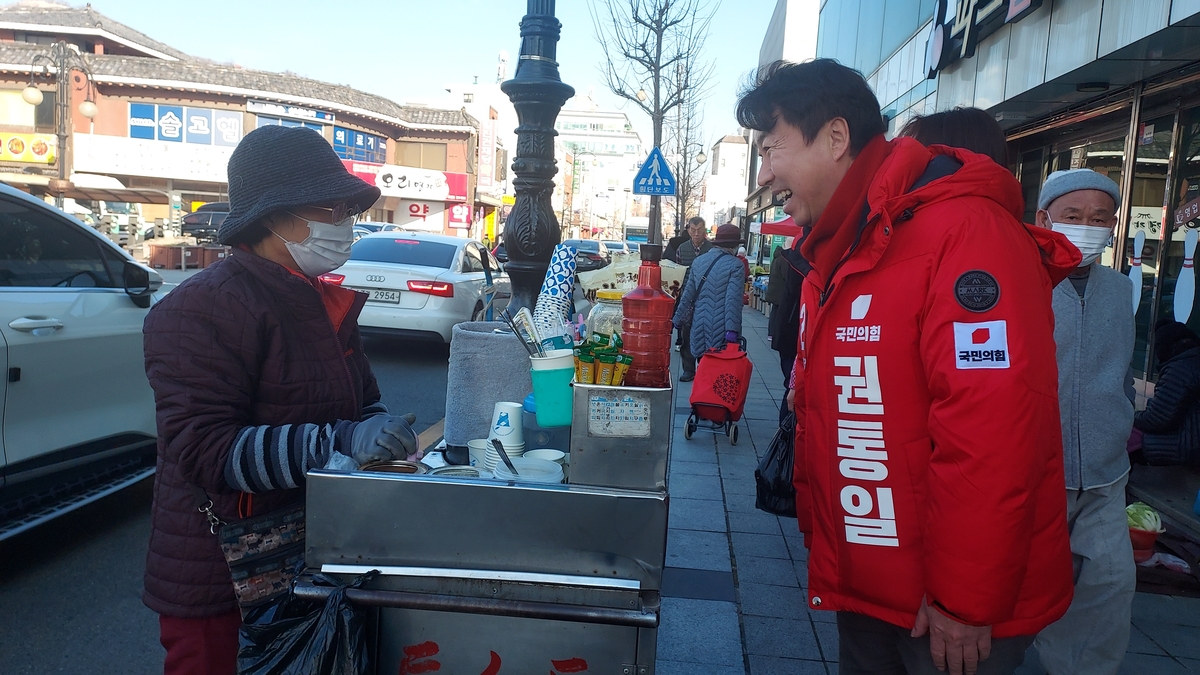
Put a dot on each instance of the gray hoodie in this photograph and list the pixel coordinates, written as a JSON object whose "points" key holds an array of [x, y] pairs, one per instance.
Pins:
{"points": [[1094, 337]]}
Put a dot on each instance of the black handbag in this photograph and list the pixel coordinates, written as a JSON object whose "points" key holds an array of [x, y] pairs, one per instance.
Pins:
{"points": [[775, 493]]}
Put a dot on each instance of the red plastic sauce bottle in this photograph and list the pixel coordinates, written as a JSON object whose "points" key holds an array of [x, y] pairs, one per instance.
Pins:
{"points": [[646, 330]]}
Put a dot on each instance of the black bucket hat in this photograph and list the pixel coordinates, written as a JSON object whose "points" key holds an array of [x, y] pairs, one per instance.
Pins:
{"points": [[276, 168]]}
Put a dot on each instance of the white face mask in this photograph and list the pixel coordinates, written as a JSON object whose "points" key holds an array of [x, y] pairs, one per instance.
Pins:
{"points": [[326, 248], [1088, 239]]}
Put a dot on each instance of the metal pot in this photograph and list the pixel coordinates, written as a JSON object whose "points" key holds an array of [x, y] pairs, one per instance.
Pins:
{"points": [[395, 466]]}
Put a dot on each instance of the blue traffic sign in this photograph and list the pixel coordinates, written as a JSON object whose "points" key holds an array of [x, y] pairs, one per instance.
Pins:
{"points": [[655, 176]]}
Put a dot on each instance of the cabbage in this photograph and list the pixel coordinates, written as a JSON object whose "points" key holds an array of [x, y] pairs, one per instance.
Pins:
{"points": [[1142, 517]]}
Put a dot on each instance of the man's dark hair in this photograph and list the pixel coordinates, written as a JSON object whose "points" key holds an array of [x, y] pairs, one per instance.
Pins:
{"points": [[695, 220], [968, 128], [808, 95]]}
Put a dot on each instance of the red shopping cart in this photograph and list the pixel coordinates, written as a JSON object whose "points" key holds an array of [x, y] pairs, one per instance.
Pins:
{"points": [[719, 390]]}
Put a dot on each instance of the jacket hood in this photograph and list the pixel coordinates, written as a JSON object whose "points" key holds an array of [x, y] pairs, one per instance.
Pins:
{"points": [[977, 176]]}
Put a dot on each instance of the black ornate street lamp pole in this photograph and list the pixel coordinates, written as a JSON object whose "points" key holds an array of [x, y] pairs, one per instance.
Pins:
{"points": [[538, 93]]}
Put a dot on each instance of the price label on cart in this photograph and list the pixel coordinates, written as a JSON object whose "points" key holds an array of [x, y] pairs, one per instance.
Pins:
{"points": [[620, 415]]}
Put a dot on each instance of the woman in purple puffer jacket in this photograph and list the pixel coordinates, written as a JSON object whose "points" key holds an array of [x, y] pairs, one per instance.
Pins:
{"points": [[258, 374]]}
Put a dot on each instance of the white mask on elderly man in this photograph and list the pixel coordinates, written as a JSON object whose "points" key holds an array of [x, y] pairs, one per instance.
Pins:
{"points": [[326, 248], [1090, 240]]}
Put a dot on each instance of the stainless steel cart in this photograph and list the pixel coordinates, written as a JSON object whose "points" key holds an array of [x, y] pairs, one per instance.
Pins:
{"points": [[485, 577]]}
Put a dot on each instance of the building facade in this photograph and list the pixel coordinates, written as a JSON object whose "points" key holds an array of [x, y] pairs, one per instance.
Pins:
{"points": [[792, 32], [607, 154], [725, 186], [1109, 85], [166, 124]]}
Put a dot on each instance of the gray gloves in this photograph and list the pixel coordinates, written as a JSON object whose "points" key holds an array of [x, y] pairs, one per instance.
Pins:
{"points": [[383, 437]]}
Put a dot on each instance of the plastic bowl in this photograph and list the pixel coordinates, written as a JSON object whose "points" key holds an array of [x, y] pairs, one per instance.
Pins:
{"points": [[556, 456], [531, 471]]}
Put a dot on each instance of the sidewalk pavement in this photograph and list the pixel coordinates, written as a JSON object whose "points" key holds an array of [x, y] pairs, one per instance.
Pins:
{"points": [[734, 589]]}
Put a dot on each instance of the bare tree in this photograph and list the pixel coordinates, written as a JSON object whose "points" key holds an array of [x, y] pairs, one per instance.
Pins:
{"points": [[687, 153], [654, 58]]}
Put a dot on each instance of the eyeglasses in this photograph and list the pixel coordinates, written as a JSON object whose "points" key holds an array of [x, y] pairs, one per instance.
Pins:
{"points": [[341, 214]]}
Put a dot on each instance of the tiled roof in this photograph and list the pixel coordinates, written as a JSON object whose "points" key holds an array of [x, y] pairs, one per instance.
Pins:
{"points": [[285, 87], [201, 72], [54, 14], [733, 139]]}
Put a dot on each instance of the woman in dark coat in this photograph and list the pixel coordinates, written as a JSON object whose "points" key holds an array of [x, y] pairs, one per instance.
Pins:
{"points": [[1170, 424], [258, 374]]}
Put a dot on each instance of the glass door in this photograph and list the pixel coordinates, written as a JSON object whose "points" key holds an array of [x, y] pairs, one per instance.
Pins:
{"points": [[1178, 298], [1149, 194]]}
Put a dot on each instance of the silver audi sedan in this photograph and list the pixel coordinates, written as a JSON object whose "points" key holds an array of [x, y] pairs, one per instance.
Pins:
{"points": [[420, 284]]}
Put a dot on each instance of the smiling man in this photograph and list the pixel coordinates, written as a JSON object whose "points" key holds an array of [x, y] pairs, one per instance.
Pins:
{"points": [[929, 468]]}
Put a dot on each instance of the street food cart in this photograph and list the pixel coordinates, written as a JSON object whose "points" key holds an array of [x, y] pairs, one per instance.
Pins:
{"points": [[486, 576]]}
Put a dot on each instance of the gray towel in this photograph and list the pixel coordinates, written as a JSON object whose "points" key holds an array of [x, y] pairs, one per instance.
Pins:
{"points": [[485, 367]]}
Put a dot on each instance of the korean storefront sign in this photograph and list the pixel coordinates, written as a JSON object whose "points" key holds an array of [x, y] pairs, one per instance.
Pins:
{"points": [[180, 124], [487, 153], [419, 215], [95, 153], [289, 111], [460, 216], [32, 148], [359, 145], [265, 121], [959, 25], [406, 182]]}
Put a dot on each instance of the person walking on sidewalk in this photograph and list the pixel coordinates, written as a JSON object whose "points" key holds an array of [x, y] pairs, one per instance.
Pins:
{"points": [[696, 245], [929, 468], [709, 312], [1093, 333], [788, 270]]}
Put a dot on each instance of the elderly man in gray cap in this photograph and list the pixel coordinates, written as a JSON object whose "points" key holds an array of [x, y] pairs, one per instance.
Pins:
{"points": [[1093, 332]]}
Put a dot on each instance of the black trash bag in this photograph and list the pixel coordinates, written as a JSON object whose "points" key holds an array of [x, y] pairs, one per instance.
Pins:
{"points": [[291, 636], [773, 477]]}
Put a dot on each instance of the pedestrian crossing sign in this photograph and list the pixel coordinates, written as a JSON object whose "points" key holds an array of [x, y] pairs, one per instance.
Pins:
{"points": [[655, 176]]}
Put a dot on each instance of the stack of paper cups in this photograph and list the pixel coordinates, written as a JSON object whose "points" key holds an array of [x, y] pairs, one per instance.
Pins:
{"points": [[554, 300], [506, 426]]}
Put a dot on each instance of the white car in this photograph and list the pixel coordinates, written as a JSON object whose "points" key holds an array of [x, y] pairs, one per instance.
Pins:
{"points": [[78, 420], [419, 284]]}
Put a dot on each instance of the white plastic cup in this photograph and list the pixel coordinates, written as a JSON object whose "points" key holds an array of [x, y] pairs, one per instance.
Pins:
{"points": [[554, 359], [506, 424]]}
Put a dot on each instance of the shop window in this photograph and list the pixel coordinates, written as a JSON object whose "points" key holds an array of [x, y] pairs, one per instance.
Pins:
{"points": [[870, 34], [359, 145], [1183, 217], [900, 21], [1032, 175], [421, 155], [1146, 215]]}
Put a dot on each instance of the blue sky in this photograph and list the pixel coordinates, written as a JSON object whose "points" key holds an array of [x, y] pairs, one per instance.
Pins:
{"points": [[408, 50]]}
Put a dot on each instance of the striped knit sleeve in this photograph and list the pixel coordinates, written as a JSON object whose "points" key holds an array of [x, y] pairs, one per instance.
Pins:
{"points": [[375, 408], [267, 457]]}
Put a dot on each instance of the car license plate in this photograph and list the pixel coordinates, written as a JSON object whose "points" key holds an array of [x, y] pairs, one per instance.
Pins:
{"points": [[383, 296]]}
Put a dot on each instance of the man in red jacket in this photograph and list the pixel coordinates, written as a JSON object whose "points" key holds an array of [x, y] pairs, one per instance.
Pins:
{"points": [[929, 469]]}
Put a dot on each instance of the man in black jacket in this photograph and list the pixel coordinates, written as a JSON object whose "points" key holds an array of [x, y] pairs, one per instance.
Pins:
{"points": [[784, 325]]}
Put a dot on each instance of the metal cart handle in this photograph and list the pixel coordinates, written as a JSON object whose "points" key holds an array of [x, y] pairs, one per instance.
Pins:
{"points": [[494, 607]]}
